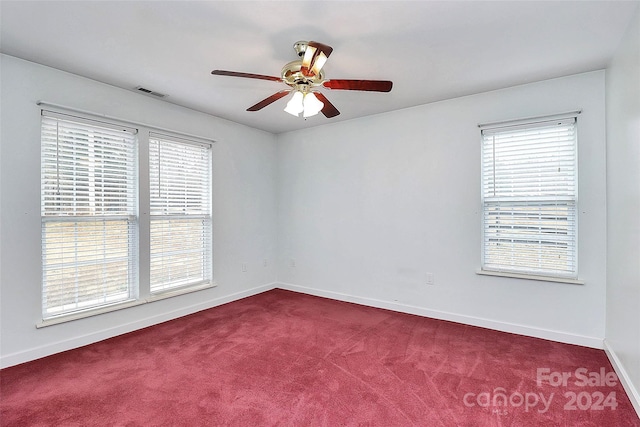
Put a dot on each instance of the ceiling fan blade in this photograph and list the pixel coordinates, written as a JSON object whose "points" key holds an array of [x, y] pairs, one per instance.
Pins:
{"points": [[307, 59], [260, 105], [324, 48], [247, 75], [322, 54], [329, 110], [315, 57], [367, 85]]}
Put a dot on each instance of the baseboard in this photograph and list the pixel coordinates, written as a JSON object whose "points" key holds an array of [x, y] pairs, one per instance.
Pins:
{"points": [[625, 380], [513, 328], [79, 341], [64, 345]]}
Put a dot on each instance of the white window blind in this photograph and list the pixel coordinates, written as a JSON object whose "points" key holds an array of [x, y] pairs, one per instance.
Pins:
{"points": [[88, 208], [181, 237], [529, 196]]}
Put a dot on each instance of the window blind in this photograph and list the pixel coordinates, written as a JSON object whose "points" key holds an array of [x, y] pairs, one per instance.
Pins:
{"points": [[529, 193], [88, 208], [181, 236]]}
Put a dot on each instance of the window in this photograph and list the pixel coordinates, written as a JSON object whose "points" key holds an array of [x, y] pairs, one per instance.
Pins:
{"points": [[180, 187], [91, 232], [529, 198], [88, 210]]}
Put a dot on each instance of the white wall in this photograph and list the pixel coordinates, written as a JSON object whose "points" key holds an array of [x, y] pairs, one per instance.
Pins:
{"points": [[367, 207], [623, 209], [244, 169]]}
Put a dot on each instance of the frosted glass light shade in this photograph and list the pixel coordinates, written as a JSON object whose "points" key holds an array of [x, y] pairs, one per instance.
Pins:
{"points": [[312, 105], [294, 106]]}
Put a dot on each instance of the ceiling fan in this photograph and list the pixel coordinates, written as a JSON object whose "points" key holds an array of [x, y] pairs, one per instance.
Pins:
{"points": [[304, 77]]}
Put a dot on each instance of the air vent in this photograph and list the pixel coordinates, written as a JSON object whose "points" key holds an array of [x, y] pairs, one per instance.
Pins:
{"points": [[150, 92]]}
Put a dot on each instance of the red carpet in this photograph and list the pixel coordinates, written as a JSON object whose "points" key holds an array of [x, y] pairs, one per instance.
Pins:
{"points": [[282, 358]]}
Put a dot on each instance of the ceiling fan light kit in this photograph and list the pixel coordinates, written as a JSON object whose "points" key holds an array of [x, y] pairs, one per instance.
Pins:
{"points": [[305, 77], [305, 102]]}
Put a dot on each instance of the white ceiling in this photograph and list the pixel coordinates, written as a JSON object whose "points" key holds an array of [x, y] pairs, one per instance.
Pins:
{"points": [[431, 50]]}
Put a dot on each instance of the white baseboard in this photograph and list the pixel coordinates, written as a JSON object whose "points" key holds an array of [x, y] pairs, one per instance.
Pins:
{"points": [[563, 337], [79, 341], [623, 376]]}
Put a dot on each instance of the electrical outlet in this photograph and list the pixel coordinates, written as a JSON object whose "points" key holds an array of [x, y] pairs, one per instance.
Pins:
{"points": [[429, 279], [265, 263], [244, 267]]}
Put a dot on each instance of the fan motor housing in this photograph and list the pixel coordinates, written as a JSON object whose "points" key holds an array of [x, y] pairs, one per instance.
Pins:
{"points": [[293, 76]]}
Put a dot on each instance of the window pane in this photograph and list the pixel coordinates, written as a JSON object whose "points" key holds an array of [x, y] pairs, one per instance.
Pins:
{"points": [[86, 170], [530, 238], [179, 252], [86, 264]]}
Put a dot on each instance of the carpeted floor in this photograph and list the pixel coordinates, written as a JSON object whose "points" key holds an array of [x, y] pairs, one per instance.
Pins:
{"points": [[282, 358]]}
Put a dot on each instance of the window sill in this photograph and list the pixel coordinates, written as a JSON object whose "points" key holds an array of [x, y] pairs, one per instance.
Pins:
{"points": [[120, 306], [530, 277], [180, 291], [88, 313]]}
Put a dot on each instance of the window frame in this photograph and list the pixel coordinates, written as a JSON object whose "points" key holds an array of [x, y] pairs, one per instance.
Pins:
{"points": [[531, 202], [82, 150], [202, 212]]}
